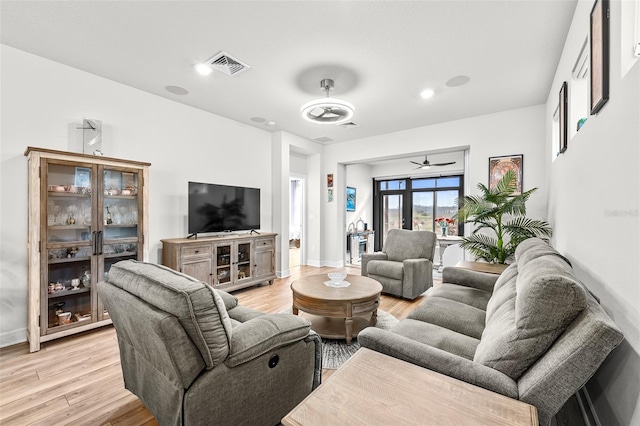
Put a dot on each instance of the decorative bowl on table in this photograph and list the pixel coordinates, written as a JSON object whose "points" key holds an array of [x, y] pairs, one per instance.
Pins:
{"points": [[337, 279]]}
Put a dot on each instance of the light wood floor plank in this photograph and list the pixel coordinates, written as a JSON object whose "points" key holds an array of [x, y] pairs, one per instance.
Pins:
{"points": [[78, 379]]}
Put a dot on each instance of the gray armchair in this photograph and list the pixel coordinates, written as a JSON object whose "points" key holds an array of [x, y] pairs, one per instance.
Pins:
{"points": [[405, 265], [194, 356]]}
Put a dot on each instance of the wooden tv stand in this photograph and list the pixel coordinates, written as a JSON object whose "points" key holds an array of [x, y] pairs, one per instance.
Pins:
{"points": [[228, 262]]}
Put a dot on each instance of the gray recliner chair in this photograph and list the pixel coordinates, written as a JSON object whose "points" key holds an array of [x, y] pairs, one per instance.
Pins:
{"points": [[405, 265], [196, 357]]}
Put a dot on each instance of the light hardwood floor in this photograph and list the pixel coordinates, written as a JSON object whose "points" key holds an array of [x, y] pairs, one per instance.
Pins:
{"points": [[77, 380]]}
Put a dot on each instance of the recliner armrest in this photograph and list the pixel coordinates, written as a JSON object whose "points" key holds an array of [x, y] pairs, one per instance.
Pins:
{"points": [[468, 278], [437, 360], [366, 257], [264, 333]]}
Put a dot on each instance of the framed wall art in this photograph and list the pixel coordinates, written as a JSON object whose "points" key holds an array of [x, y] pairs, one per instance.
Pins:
{"points": [[562, 118], [330, 180], [330, 195], [351, 199], [498, 166], [599, 37]]}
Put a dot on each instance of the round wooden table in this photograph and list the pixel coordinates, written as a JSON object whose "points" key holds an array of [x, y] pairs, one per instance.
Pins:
{"points": [[337, 313]]}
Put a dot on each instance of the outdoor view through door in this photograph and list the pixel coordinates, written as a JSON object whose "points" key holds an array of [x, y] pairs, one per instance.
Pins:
{"points": [[416, 204]]}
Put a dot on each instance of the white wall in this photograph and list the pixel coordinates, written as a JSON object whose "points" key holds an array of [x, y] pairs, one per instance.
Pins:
{"points": [[519, 131], [358, 176], [594, 195], [42, 104]]}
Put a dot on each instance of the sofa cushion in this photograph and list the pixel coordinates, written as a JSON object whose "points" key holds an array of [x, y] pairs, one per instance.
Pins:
{"points": [[452, 315], [438, 337], [467, 295], [524, 325], [198, 307], [386, 268]]}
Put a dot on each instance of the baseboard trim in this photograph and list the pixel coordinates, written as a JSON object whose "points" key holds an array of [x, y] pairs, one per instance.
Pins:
{"points": [[9, 338], [589, 415], [314, 263]]}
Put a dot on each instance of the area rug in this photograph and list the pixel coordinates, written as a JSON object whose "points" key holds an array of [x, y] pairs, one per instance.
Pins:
{"points": [[336, 351]]}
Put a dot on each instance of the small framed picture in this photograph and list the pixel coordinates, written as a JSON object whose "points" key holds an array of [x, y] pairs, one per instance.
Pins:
{"points": [[330, 180], [83, 177], [499, 166], [599, 37], [330, 195], [351, 199], [562, 119]]}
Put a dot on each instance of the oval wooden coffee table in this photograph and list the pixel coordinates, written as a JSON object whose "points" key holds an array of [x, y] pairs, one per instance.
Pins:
{"points": [[337, 313]]}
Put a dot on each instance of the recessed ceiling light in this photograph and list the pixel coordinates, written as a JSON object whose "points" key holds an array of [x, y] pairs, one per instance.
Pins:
{"points": [[457, 81], [203, 69], [176, 90], [270, 123], [258, 119], [427, 93]]}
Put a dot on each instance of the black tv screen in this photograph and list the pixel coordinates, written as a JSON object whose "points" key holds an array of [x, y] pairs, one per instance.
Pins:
{"points": [[219, 208]]}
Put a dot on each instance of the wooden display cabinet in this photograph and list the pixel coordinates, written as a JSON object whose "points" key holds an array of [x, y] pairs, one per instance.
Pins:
{"points": [[85, 214], [226, 262]]}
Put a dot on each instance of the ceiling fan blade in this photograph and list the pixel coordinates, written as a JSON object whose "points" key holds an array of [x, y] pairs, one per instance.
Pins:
{"points": [[419, 164], [444, 164]]}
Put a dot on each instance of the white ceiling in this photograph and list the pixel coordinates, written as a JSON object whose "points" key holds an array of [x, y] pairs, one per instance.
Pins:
{"points": [[381, 54]]}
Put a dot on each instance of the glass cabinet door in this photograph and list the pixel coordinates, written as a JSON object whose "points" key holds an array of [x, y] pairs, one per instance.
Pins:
{"points": [[69, 245], [243, 262], [121, 231], [223, 264]]}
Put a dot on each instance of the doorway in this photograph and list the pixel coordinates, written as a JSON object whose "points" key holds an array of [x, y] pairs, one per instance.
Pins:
{"points": [[296, 205]]}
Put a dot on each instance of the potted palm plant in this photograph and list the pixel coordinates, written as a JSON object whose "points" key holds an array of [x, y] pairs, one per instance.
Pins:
{"points": [[503, 214]]}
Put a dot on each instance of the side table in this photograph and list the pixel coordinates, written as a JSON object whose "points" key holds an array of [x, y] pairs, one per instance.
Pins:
{"points": [[490, 268], [375, 389]]}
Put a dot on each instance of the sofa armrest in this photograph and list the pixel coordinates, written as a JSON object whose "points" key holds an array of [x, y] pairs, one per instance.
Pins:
{"points": [[366, 257], [468, 278], [437, 360], [229, 300], [418, 277], [264, 333]]}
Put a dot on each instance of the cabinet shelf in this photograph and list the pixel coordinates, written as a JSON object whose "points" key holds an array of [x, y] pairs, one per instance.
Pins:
{"points": [[67, 227], [62, 194], [121, 225], [121, 254], [120, 197], [69, 260], [63, 293]]}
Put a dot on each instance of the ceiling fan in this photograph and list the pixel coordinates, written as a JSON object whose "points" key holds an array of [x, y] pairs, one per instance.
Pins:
{"points": [[426, 164]]}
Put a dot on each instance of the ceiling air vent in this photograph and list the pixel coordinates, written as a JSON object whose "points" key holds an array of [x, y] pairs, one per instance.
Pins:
{"points": [[348, 125], [227, 64], [323, 139]]}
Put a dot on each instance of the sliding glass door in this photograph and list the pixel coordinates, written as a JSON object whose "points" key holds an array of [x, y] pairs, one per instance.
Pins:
{"points": [[415, 204]]}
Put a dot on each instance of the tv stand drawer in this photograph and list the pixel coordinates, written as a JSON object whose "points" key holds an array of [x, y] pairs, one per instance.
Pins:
{"points": [[191, 251]]}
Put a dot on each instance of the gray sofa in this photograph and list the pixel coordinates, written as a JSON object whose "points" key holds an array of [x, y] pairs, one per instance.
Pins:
{"points": [[405, 264], [534, 333], [196, 357]]}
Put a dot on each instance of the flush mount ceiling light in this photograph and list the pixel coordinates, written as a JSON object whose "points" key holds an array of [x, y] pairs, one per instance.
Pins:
{"points": [[327, 110]]}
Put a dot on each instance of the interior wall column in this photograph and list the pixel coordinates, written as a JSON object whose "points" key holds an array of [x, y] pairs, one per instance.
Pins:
{"points": [[280, 201]]}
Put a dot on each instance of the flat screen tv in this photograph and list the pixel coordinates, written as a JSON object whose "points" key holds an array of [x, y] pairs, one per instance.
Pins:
{"points": [[222, 208]]}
